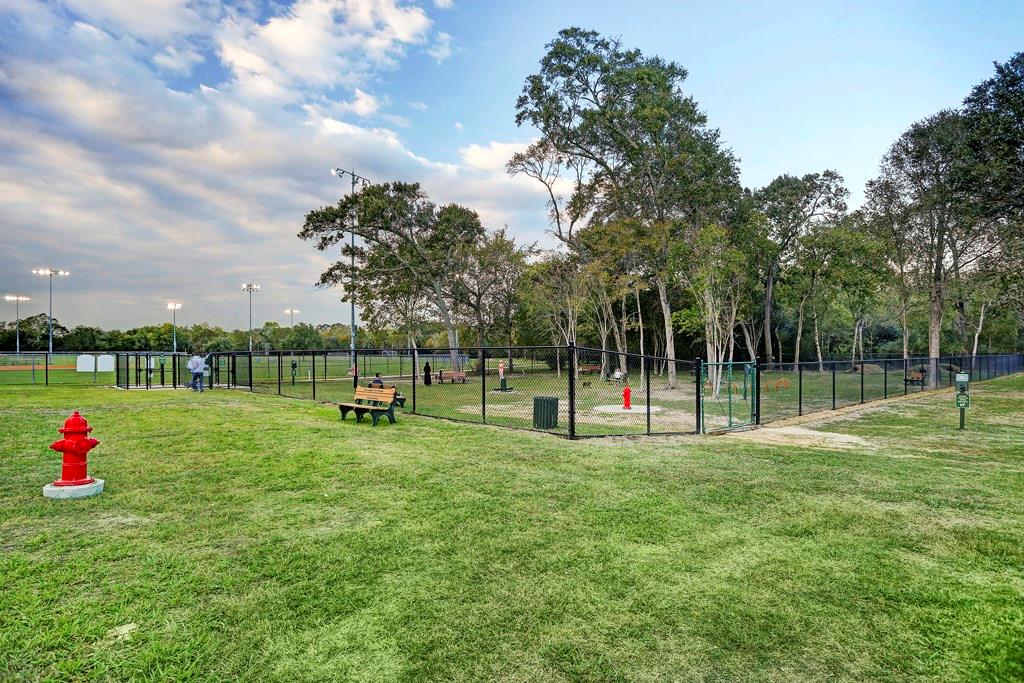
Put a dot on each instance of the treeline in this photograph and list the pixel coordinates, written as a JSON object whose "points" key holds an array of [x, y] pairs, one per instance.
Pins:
{"points": [[270, 336], [663, 251]]}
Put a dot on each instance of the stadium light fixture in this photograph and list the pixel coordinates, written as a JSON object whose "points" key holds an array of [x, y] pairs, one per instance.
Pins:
{"points": [[50, 273], [17, 299], [250, 287]]}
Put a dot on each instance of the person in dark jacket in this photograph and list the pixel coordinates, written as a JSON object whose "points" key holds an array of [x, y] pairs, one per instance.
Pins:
{"points": [[427, 379]]}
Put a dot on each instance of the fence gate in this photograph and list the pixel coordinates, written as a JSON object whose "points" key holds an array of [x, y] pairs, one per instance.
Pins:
{"points": [[728, 396]]}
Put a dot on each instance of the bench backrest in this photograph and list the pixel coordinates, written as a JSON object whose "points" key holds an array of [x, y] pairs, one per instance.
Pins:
{"points": [[382, 395], [919, 374]]}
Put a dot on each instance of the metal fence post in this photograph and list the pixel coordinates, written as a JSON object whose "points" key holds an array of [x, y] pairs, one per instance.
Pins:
{"points": [[312, 373], [698, 377], [355, 369], [647, 390], [46, 369], [250, 372], [757, 390], [833, 385], [482, 356], [885, 379], [861, 380], [800, 389], [571, 363], [415, 364], [279, 359]]}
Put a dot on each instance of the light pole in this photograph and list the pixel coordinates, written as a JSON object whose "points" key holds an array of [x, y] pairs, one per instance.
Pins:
{"points": [[250, 287], [17, 299], [292, 312], [50, 272], [339, 172], [174, 308]]}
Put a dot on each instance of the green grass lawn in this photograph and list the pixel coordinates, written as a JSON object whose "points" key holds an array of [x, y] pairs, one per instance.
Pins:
{"points": [[247, 537]]}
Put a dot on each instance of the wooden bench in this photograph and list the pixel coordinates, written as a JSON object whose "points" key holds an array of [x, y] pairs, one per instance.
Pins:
{"points": [[376, 401], [916, 377], [451, 376], [587, 369], [618, 377]]}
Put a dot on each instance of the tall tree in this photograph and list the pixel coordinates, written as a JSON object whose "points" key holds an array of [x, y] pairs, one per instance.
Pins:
{"points": [[405, 235], [637, 146], [791, 205]]}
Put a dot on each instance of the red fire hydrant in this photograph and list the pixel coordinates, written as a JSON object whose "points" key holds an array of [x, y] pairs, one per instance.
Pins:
{"points": [[626, 393], [75, 447]]}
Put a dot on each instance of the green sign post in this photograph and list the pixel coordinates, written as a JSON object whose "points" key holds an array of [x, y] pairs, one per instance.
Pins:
{"points": [[963, 399]]}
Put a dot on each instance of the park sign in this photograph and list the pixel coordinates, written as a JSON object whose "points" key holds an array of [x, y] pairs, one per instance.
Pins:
{"points": [[963, 401]]}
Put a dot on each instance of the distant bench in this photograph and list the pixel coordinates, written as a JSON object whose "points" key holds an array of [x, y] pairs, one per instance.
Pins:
{"points": [[587, 369], [916, 377], [376, 401], [451, 375]]}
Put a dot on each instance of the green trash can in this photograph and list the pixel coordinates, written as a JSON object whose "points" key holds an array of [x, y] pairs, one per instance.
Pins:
{"points": [[545, 412]]}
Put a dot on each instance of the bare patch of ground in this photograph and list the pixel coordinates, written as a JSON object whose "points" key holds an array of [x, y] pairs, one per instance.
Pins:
{"points": [[801, 436]]}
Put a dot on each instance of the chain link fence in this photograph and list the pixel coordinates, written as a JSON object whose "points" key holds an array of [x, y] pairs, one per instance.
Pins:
{"points": [[573, 391]]}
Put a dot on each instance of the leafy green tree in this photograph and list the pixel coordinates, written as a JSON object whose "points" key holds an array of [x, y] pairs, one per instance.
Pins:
{"points": [[405, 235], [791, 206], [636, 146]]}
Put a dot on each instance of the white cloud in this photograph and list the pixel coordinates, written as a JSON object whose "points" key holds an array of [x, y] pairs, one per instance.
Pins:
{"points": [[157, 20], [443, 4], [442, 47], [490, 157], [364, 104], [418, 106], [154, 192], [178, 60], [457, 125], [318, 43]]}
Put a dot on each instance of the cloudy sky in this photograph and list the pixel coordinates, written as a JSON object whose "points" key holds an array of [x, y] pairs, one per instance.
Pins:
{"points": [[169, 149]]}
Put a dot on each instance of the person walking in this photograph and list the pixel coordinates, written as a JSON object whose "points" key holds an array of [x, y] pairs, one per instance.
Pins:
{"points": [[195, 366], [427, 379]]}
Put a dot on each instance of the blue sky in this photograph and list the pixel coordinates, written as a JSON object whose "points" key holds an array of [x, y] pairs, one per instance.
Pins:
{"points": [[168, 150]]}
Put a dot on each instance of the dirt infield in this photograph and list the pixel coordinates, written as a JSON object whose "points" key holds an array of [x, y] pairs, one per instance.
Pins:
{"points": [[40, 366]]}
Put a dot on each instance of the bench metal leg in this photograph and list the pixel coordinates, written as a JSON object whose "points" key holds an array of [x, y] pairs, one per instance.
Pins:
{"points": [[344, 411]]}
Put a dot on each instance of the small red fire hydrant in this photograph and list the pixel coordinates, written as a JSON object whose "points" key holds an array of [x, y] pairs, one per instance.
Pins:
{"points": [[626, 393], [75, 447]]}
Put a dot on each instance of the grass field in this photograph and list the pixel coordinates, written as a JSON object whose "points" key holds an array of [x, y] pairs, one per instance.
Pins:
{"points": [[246, 537]]}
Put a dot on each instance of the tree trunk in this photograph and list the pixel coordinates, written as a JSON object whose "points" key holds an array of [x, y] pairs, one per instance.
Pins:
{"points": [[935, 313], [446, 318], [620, 344], [817, 338], [640, 328], [853, 342], [778, 338], [748, 339], [905, 325], [769, 286], [670, 342], [977, 335]]}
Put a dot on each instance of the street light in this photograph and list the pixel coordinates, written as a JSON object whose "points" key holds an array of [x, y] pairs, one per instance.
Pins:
{"points": [[250, 287], [50, 272], [174, 308], [292, 312], [356, 178], [17, 299]]}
